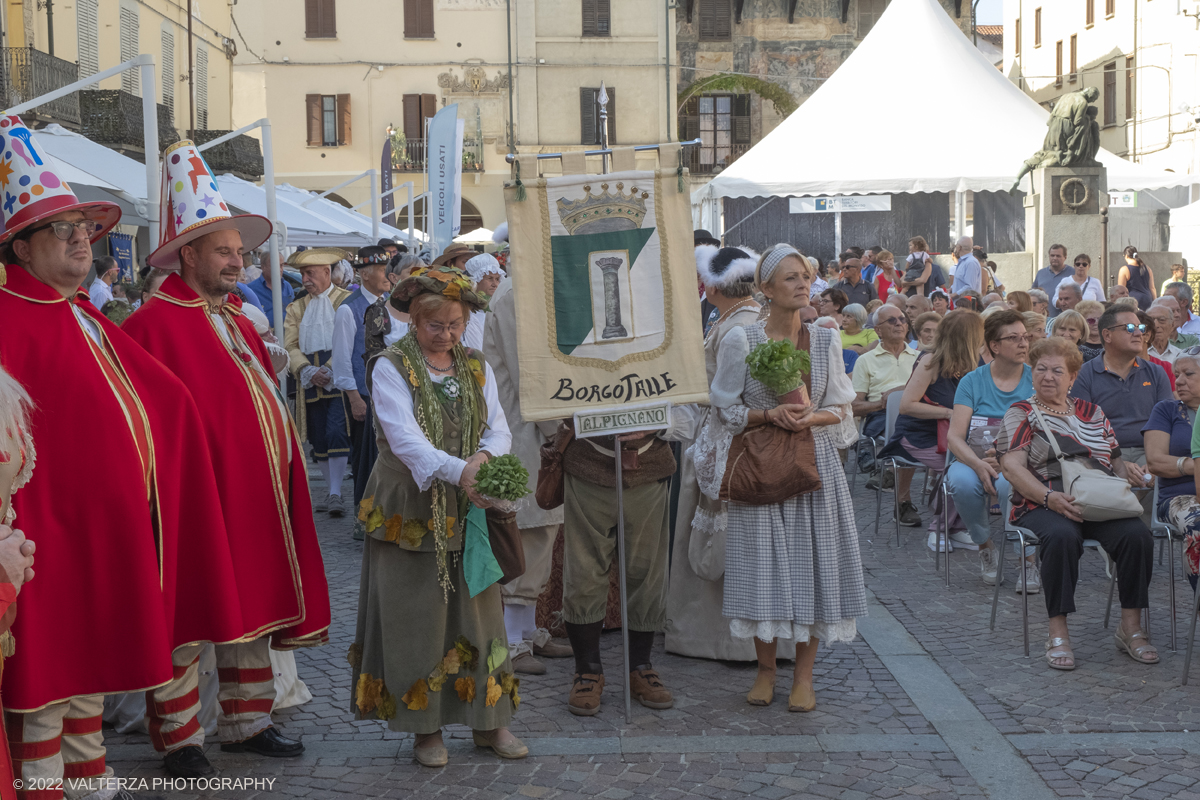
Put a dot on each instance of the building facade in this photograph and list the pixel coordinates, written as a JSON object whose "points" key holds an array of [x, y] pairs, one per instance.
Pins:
{"points": [[338, 79], [1141, 55]]}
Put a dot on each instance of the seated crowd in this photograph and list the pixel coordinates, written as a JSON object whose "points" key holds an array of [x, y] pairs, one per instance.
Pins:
{"points": [[984, 376]]}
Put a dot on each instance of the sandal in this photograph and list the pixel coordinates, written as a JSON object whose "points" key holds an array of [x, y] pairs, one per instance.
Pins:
{"points": [[1059, 648], [1143, 654]]}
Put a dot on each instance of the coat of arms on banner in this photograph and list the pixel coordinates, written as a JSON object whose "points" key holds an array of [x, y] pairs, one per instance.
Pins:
{"points": [[604, 282]]}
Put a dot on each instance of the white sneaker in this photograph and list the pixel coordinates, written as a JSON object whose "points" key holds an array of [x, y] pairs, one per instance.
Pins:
{"points": [[962, 541], [1033, 576], [935, 542], [988, 564]]}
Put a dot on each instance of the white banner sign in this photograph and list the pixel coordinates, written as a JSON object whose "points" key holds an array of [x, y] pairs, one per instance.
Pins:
{"points": [[1122, 199], [623, 419], [822, 205]]}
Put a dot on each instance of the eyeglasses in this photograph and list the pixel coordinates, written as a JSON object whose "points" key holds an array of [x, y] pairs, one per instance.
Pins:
{"points": [[1012, 337], [1083, 263], [64, 230], [1092, 320], [1128, 327], [434, 329], [893, 320]]}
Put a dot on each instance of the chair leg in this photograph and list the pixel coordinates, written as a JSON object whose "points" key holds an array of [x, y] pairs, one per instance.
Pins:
{"points": [[1160, 549], [1171, 563], [999, 580], [1024, 593], [896, 499], [878, 505], [1187, 657], [1112, 584], [946, 531]]}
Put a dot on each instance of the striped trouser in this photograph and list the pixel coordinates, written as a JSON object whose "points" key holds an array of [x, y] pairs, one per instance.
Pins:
{"points": [[60, 743], [246, 694]]}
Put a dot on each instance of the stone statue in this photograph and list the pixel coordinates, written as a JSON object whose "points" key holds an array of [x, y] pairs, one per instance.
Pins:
{"points": [[1073, 135]]}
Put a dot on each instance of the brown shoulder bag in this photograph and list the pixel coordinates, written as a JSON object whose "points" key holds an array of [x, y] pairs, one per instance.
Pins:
{"points": [[549, 491]]}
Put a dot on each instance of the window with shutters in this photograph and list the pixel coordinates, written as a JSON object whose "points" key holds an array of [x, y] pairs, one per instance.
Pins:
{"points": [[1089, 14], [597, 17], [417, 108], [168, 69], [1110, 8], [130, 46], [87, 20], [320, 19], [716, 21], [201, 81], [1037, 27], [1130, 87], [1074, 75], [589, 116], [418, 19], [328, 119], [1058, 63], [722, 123], [1110, 93], [869, 12], [1017, 37]]}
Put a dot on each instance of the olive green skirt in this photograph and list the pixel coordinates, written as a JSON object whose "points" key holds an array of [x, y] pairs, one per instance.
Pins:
{"points": [[421, 661]]}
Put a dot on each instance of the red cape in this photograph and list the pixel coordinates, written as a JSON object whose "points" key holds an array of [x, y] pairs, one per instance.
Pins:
{"points": [[99, 617], [280, 573]]}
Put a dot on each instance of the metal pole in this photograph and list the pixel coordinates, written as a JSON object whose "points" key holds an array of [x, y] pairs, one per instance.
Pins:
{"points": [[837, 232], [412, 241], [150, 141], [1104, 271], [191, 74], [333, 189], [49, 28], [602, 101], [376, 211], [273, 215]]}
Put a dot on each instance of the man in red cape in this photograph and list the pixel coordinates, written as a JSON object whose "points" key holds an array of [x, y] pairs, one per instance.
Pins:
{"points": [[115, 507], [196, 328]]}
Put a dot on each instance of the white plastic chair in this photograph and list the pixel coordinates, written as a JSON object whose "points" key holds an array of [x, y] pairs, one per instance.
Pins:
{"points": [[1027, 537]]}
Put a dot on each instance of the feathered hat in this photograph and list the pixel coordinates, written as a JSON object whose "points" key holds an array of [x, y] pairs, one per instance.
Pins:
{"points": [[726, 266], [191, 206], [500, 235], [32, 189]]}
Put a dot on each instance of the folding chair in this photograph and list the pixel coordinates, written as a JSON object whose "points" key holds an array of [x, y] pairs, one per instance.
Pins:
{"points": [[895, 462], [875, 444], [1161, 528], [1025, 536]]}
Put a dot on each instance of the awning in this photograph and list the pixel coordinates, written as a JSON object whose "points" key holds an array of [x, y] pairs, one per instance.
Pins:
{"points": [[303, 228], [347, 218], [477, 236]]}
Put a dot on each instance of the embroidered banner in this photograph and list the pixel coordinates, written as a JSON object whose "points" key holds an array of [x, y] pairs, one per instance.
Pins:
{"points": [[605, 289]]}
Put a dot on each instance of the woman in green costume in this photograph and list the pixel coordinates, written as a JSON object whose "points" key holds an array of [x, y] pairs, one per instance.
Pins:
{"points": [[426, 653]]}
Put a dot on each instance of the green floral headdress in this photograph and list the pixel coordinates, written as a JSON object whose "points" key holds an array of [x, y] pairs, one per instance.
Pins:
{"points": [[446, 281]]}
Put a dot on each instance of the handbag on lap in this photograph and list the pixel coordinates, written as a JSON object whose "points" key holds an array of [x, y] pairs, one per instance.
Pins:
{"points": [[1100, 496]]}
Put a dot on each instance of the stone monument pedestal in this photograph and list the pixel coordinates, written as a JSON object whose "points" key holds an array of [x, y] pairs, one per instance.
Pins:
{"points": [[1064, 208]]}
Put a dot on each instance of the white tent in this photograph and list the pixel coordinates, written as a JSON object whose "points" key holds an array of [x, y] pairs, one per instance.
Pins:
{"points": [[304, 228], [944, 121], [1185, 233], [477, 236], [345, 217]]}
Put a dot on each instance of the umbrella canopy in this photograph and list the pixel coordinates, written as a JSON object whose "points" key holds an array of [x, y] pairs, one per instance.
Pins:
{"points": [[477, 236], [814, 151]]}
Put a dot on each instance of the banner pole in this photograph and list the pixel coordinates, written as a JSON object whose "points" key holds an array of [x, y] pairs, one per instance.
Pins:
{"points": [[602, 101]]}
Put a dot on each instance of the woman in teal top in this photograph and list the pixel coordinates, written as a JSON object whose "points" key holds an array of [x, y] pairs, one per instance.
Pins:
{"points": [[981, 400]]}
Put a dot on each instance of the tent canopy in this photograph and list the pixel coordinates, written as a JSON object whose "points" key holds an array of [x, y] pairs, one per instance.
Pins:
{"points": [[338, 213], [304, 228], [477, 236], [953, 123]]}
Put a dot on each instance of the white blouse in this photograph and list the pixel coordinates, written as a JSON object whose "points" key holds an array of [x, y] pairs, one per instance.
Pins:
{"points": [[1092, 289], [394, 414]]}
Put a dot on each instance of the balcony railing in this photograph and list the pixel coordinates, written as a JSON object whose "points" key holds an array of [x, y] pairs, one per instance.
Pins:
{"points": [[711, 160], [241, 155], [413, 156], [26, 73], [113, 117]]}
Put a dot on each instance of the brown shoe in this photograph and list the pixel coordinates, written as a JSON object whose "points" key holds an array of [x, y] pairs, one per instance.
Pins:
{"points": [[648, 689], [553, 648], [526, 664], [585, 694]]}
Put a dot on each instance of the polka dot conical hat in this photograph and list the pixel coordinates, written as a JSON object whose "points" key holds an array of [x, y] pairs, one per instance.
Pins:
{"points": [[31, 189], [191, 206]]}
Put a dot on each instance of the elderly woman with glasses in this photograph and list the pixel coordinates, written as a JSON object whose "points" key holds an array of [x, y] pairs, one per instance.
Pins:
{"points": [[981, 400], [1170, 441], [1082, 433]]}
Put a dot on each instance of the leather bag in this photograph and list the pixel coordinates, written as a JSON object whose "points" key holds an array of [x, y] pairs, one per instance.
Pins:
{"points": [[768, 464], [505, 539], [549, 491], [1099, 496]]}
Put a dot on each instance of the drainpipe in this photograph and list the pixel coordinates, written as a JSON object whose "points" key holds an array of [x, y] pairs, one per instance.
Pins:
{"points": [[49, 27], [191, 73], [667, 58], [511, 118]]}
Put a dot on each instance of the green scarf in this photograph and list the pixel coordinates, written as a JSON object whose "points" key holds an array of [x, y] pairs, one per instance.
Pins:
{"points": [[428, 411]]}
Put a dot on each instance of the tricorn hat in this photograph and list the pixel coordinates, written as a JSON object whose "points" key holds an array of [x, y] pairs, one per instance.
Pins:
{"points": [[317, 256], [32, 189], [191, 206]]}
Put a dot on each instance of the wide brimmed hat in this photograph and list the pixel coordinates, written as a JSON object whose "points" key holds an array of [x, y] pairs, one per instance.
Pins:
{"points": [[33, 191], [726, 266], [371, 255], [701, 236], [446, 281], [452, 252], [317, 256], [191, 206]]}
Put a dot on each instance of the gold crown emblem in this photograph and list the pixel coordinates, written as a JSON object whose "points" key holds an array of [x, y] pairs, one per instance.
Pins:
{"points": [[601, 213]]}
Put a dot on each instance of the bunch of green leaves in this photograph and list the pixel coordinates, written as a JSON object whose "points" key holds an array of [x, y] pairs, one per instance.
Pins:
{"points": [[778, 365], [503, 478]]}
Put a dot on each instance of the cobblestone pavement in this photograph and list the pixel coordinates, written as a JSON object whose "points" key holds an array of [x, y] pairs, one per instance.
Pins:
{"points": [[927, 703]]}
